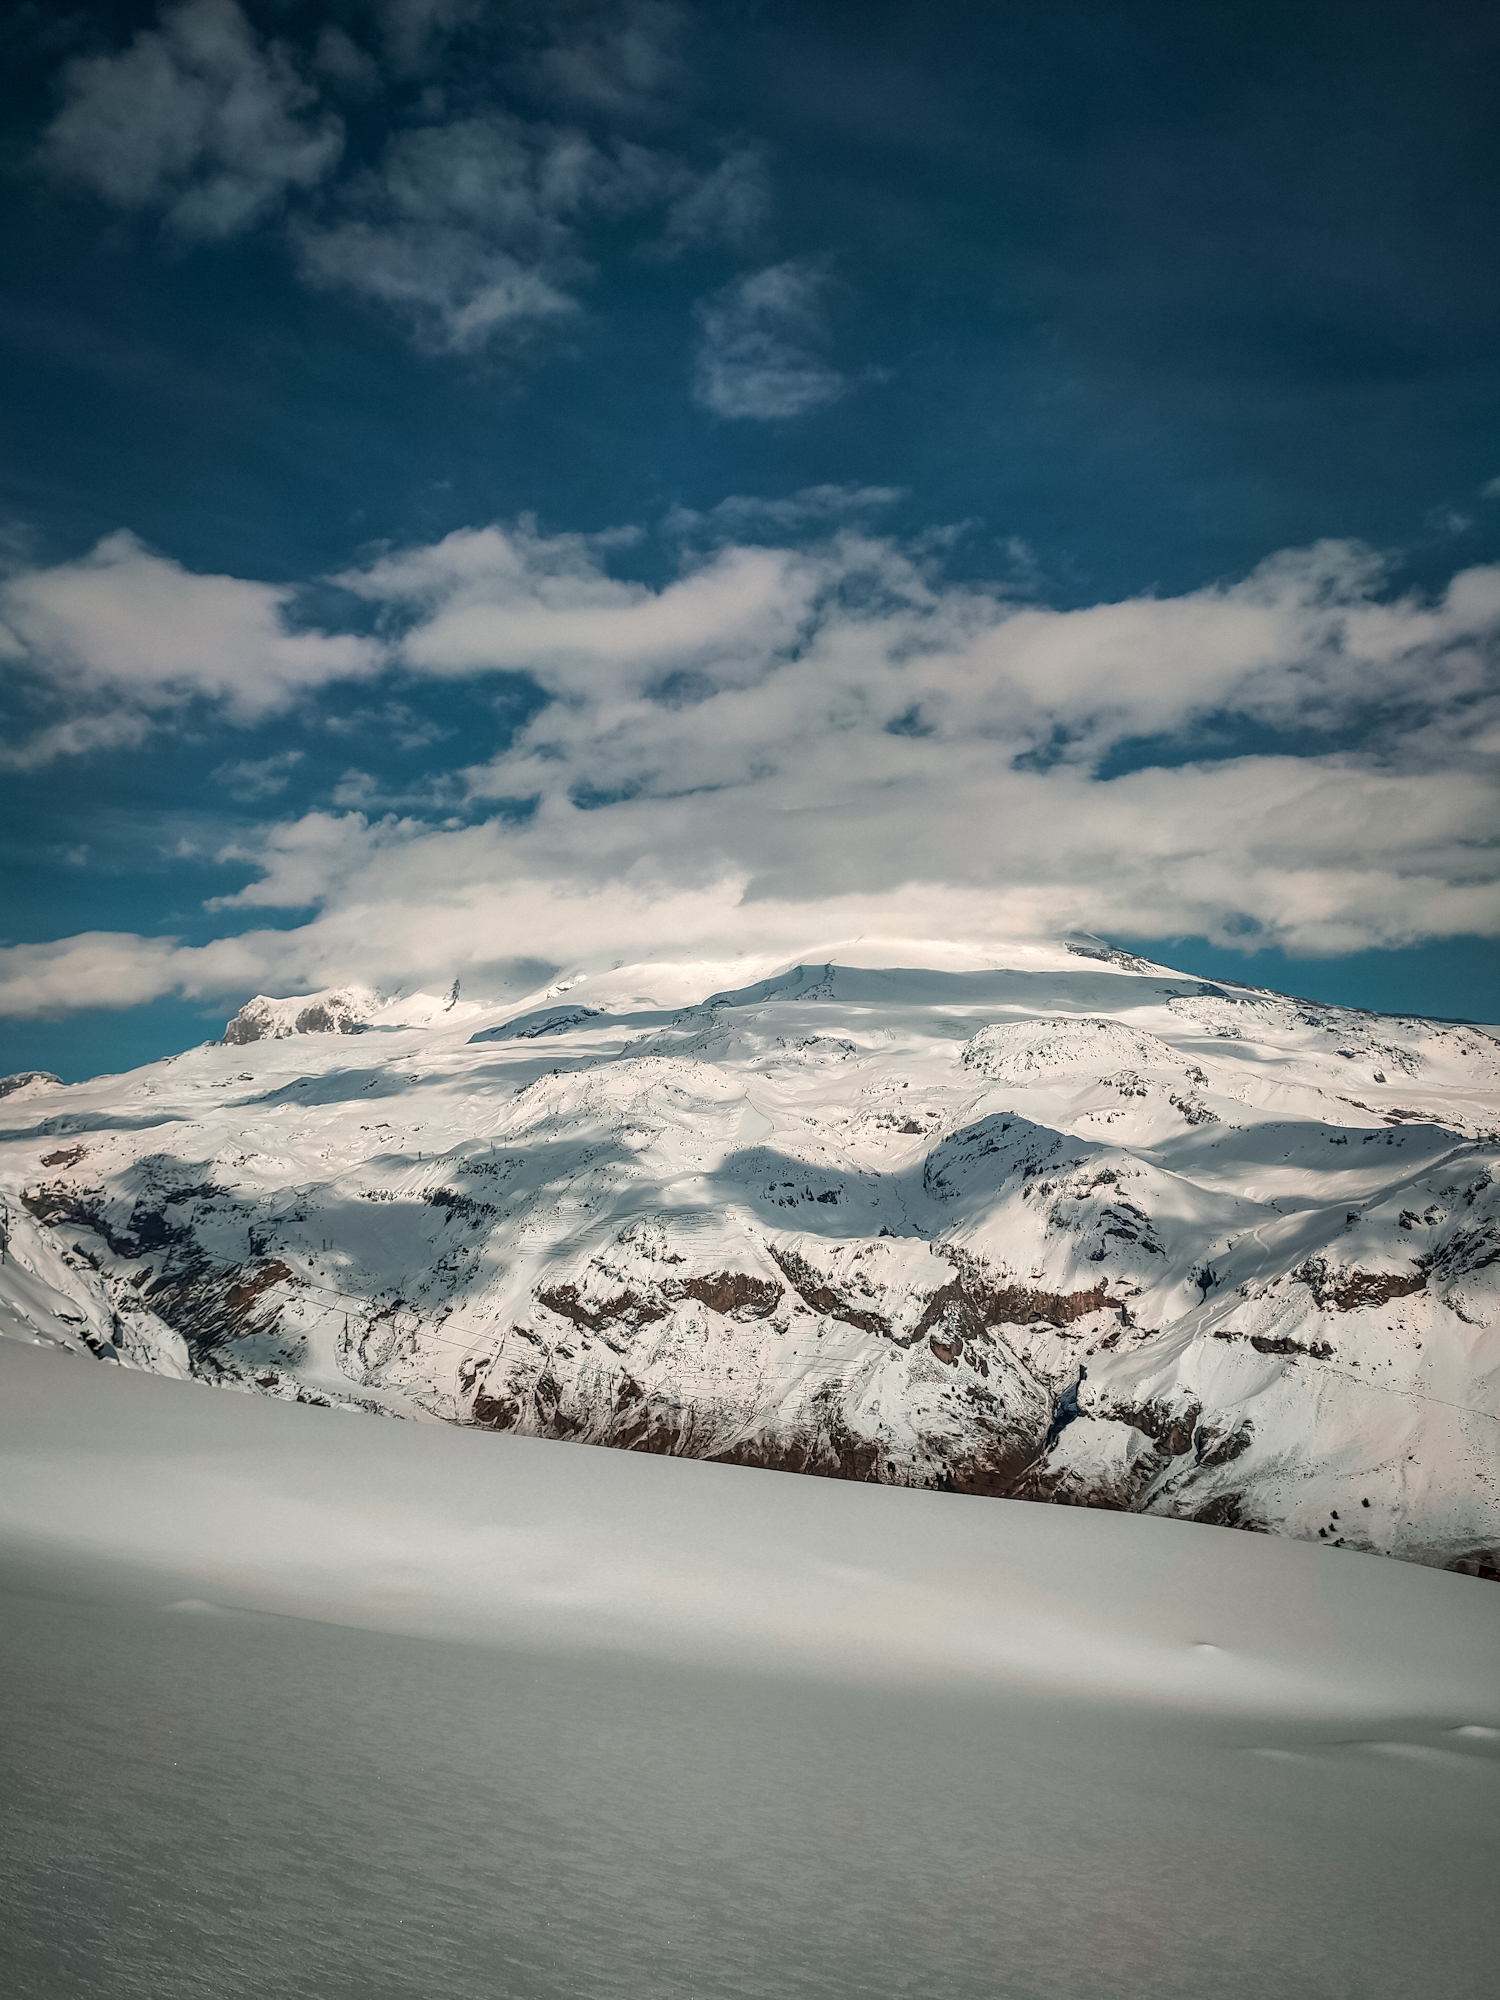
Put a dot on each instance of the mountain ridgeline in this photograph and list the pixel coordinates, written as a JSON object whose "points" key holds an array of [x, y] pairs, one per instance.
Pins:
{"points": [[1050, 1223]]}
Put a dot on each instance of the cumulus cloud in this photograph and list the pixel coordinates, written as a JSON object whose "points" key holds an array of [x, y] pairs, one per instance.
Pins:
{"points": [[198, 118], [747, 647], [122, 635], [760, 346], [784, 746], [834, 723], [493, 599]]}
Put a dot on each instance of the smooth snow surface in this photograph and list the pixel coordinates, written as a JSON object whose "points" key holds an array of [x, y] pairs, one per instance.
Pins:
{"points": [[517, 1541], [1049, 1222], [697, 1730]]}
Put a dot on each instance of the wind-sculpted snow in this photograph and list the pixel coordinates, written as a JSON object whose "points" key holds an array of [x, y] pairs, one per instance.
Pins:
{"points": [[1064, 1226]]}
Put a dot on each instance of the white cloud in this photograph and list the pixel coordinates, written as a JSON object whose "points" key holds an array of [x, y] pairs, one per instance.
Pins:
{"points": [[777, 636], [122, 635], [95, 969], [357, 790], [197, 117], [492, 600], [468, 230], [760, 348], [783, 746], [1314, 855]]}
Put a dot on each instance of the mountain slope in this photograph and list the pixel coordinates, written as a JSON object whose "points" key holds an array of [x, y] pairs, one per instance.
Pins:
{"points": [[1055, 1223]]}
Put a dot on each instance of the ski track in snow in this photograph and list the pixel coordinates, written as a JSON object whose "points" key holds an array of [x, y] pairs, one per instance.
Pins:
{"points": [[1047, 1222]]}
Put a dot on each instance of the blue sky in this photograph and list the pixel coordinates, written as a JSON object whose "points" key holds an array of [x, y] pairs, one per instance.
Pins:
{"points": [[491, 487]]}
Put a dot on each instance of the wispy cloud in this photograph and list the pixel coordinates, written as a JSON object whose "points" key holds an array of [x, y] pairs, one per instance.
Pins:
{"points": [[252, 781], [394, 723], [341, 62], [728, 205], [470, 228], [761, 346], [789, 514], [620, 60]]}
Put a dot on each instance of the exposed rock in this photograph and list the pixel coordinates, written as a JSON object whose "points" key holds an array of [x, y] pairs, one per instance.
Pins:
{"points": [[1345, 1291], [1171, 1429], [1227, 1510], [1216, 1444], [735, 1292], [342, 1010], [1318, 1350], [822, 1297], [629, 1308]]}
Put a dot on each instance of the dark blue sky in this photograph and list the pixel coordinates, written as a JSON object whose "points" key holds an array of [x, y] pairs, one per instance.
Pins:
{"points": [[1110, 304]]}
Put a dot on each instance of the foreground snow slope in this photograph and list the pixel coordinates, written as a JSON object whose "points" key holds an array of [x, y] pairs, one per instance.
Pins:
{"points": [[697, 1731], [1050, 1222], [213, 1501]]}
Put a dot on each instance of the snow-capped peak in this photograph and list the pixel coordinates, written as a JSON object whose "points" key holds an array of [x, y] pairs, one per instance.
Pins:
{"points": [[1040, 1219], [341, 1010]]}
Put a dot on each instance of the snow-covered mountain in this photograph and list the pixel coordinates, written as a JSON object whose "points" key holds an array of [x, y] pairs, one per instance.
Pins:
{"points": [[1050, 1222]]}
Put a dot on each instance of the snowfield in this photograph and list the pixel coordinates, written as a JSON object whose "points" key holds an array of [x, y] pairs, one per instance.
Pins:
{"points": [[197, 1503], [296, 1703], [1050, 1223]]}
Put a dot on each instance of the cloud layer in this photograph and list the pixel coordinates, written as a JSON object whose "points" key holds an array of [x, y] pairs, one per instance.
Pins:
{"points": [[784, 744]]}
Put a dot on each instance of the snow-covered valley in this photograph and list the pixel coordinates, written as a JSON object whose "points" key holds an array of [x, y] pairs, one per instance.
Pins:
{"points": [[1048, 1222]]}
